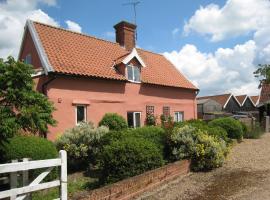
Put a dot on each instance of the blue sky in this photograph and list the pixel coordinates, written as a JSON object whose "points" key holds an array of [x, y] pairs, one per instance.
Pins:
{"points": [[217, 44]]}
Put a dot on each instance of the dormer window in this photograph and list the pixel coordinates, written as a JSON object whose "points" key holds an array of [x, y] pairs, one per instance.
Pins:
{"points": [[28, 59], [133, 73]]}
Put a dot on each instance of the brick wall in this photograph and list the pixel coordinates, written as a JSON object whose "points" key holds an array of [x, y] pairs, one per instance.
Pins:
{"points": [[131, 187]]}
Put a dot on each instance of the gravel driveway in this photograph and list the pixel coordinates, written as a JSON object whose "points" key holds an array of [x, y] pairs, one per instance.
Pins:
{"points": [[245, 176]]}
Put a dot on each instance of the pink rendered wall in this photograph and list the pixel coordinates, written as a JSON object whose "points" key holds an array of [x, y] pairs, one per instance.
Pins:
{"points": [[113, 96]]}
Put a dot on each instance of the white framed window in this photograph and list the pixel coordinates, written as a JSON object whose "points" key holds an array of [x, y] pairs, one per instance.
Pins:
{"points": [[134, 119], [28, 59], [133, 73], [80, 113], [178, 116]]}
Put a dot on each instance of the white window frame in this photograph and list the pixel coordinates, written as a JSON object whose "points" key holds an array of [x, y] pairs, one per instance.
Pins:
{"points": [[177, 112], [134, 118], [133, 74], [85, 113]]}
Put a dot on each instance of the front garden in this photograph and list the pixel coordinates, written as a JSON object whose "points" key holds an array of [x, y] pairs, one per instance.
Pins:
{"points": [[111, 152]]}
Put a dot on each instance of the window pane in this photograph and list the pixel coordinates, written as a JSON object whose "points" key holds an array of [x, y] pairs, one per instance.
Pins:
{"points": [[137, 119], [80, 114], [130, 73], [130, 119], [137, 74], [176, 117], [28, 59], [180, 116]]}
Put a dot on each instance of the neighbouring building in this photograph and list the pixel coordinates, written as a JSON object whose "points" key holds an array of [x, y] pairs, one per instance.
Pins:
{"points": [[264, 102], [208, 108], [86, 77], [228, 102], [247, 103]]}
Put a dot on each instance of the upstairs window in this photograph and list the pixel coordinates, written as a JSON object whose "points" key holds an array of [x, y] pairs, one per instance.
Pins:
{"points": [[134, 73], [28, 59]]}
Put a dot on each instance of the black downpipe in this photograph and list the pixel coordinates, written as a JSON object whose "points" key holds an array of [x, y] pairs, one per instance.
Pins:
{"points": [[44, 85]]}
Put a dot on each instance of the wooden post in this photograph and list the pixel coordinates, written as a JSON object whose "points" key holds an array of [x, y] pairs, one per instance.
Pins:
{"points": [[266, 124], [13, 180], [63, 178], [25, 178]]}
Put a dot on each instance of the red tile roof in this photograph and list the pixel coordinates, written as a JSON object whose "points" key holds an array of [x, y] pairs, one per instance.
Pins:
{"points": [[241, 98], [74, 53], [265, 94], [255, 99], [221, 99]]}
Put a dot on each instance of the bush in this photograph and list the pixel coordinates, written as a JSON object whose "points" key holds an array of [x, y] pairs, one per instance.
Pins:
{"points": [[82, 143], [215, 131], [205, 151], [151, 120], [232, 127], [32, 147], [128, 157], [244, 128], [113, 121], [255, 132]]}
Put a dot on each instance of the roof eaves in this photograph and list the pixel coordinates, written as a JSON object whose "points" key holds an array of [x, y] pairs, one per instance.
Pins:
{"points": [[40, 50]]}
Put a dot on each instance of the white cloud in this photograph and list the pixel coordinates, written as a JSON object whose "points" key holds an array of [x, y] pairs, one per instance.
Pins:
{"points": [[13, 15], [225, 70], [235, 18], [73, 26]]}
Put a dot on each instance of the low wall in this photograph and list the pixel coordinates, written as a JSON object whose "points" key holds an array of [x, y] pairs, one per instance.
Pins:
{"points": [[131, 187]]}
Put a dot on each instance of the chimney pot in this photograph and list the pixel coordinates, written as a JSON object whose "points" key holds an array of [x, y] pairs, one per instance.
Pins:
{"points": [[125, 34]]}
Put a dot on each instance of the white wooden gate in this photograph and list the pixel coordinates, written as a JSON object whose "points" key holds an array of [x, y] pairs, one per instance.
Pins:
{"points": [[21, 192]]}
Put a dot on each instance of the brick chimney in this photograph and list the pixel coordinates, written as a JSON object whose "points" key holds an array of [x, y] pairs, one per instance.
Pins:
{"points": [[125, 34]]}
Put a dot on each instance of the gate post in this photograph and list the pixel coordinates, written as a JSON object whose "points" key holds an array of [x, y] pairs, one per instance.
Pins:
{"points": [[266, 124], [63, 177]]}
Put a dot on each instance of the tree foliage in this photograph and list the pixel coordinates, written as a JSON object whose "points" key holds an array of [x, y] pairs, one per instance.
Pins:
{"points": [[263, 72], [21, 107]]}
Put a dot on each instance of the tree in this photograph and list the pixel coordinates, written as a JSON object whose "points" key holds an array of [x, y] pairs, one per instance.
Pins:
{"points": [[263, 72], [21, 107]]}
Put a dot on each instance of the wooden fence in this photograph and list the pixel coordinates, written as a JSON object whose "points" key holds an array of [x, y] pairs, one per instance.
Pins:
{"points": [[20, 193]]}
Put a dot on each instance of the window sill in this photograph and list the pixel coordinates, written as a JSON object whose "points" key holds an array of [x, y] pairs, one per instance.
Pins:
{"points": [[134, 81]]}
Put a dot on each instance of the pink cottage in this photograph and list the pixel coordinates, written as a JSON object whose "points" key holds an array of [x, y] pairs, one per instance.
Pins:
{"points": [[86, 77]]}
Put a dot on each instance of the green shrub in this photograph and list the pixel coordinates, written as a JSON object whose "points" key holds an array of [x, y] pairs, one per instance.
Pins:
{"points": [[205, 151], [82, 143], [244, 128], [151, 120], [35, 148], [128, 157], [232, 127], [255, 132], [113, 121], [215, 131]]}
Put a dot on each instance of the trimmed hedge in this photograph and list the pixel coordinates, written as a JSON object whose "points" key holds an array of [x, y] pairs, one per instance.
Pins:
{"points": [[232, 127], [35, 148], [113, 121], [128, 157]]}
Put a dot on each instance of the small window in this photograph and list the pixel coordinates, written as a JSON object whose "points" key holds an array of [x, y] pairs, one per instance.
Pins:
{"points": [[134, 119], [80, 113], [179, 116], [28, 59], [150, 110], [134, 73]]}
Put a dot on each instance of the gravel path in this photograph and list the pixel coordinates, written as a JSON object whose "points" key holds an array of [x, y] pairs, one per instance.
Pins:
{"points": [[245, 176]]}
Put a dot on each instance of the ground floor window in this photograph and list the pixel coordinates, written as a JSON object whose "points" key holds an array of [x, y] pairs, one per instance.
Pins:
{"points": [[80, 113], [134, 119], [178, 116]]}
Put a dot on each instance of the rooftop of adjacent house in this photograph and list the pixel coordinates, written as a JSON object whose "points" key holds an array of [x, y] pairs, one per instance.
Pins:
{"points": [[221, 99], [241, 98], [74, 53], [265, 94], [255, 99]]}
